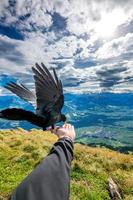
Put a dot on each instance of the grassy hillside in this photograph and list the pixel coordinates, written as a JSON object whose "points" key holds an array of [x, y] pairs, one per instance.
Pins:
{"points": [[21, 151]]}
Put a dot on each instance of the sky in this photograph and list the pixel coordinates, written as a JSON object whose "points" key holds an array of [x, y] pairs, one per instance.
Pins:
{"points": [[88, 42]]}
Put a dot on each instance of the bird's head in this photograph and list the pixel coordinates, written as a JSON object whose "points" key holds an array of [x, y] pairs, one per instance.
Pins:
{"points": [[63, 118]]}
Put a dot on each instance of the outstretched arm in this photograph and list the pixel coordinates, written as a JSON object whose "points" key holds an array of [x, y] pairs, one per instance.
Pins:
{"points": [[50, 180]]}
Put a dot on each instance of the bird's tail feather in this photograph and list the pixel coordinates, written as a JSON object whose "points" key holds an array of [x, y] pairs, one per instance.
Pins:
{"points": [[21, 114]]}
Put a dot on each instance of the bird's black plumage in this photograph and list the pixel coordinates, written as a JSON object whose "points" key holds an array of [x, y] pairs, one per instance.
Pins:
{"points": [[48, 99]]}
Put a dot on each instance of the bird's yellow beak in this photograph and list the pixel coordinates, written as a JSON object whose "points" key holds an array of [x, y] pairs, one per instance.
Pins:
{"points": [[65, 123]]}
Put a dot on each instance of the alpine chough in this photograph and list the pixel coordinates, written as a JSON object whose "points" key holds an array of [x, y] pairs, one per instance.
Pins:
{"points": [[48, 99]]}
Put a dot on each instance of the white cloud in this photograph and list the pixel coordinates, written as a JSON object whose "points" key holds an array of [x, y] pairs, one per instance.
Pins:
{"points": [[82, 17], [116, 47], [36, 9], [101, 17]]}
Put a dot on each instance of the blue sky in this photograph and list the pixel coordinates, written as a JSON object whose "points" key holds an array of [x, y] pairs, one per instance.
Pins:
{"points": [[90, 43]]}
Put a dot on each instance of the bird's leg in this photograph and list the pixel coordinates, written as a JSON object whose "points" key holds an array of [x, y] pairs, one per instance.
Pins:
{"points": [[52, 126]]}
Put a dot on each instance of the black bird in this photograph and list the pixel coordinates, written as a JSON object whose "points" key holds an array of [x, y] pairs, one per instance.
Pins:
{"points": [[48, 99]]}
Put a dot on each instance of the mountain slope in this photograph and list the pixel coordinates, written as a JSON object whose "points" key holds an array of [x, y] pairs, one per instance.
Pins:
{"points": [[21, 151], [104, 119]]}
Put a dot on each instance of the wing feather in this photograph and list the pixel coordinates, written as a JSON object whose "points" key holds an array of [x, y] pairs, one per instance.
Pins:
{"points": [[50, 77], [22, 91], [56, 78], [49, 91]]}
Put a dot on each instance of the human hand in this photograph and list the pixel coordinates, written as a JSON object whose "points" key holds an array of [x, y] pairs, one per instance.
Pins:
{"points": [[67, 130]]}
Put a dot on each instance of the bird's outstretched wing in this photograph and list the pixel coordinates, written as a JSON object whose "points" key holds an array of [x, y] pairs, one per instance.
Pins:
{"points": [[22, 92], [49, 91], [21, 114]]}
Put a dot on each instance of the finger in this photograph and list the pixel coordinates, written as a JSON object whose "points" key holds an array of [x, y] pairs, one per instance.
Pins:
{"points": [[56, 129], [72, 127], [66, 125], [69, 126]]}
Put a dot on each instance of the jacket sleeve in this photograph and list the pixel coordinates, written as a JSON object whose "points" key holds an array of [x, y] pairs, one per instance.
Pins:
{"points": [[50, 180]]}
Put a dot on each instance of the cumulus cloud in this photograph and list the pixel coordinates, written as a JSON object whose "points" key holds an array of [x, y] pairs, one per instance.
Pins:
{"points": [[116, 47], [89, 42], [27, 15], [110, 77]]}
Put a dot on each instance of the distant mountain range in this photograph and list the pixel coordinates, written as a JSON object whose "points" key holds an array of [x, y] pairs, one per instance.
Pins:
{"points": [[105, 118]]}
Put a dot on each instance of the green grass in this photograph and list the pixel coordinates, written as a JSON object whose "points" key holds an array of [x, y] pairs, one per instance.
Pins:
{"points": [[22, 151]]}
